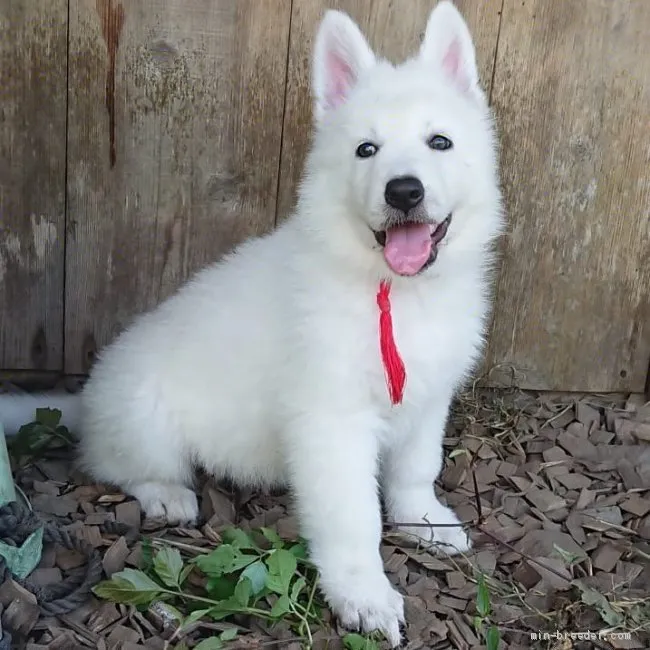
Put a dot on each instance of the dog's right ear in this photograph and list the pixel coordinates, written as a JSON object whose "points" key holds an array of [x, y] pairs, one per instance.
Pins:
{"points": [[341, 53]]}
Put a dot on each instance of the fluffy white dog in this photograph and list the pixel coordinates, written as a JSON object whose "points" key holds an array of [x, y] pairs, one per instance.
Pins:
{"points": [[275, 365]]}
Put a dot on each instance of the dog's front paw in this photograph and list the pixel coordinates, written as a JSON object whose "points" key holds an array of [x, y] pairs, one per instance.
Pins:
{"points": [[364, 600]]}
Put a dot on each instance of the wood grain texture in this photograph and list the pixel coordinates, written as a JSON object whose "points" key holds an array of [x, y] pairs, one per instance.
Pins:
{"points": [[392, 32], [33, 60], [572, 96], [174, 140]]}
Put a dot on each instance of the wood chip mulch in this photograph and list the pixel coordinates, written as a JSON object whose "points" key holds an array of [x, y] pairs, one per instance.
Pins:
{"points": [[557, 488]]}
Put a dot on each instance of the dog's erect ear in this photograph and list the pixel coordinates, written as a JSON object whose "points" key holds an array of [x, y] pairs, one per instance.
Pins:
{"points": [[340, 54], [448, 43]]}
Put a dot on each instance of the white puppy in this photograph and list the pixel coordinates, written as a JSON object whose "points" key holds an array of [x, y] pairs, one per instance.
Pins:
{"points": [[267, 367]]}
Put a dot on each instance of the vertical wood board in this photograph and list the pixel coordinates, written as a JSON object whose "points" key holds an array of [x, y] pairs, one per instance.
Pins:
{"points": [[175, 125], [33, 60], [572, 98]]}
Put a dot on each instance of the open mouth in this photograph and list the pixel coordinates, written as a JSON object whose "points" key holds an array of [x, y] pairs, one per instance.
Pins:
{"points": [[412, 247]]}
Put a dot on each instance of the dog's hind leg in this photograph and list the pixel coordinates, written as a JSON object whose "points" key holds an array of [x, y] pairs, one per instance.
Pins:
{"points": [[139, 445], [157, 475], [175, 502], [158, 478]]}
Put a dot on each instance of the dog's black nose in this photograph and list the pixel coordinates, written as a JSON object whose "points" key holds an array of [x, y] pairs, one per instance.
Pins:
{"points": [[404, 192]]}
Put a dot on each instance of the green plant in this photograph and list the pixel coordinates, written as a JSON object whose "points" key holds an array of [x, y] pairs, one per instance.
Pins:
{"points": [[482, 623], [256, 574], [359, 642], [35, 439]]}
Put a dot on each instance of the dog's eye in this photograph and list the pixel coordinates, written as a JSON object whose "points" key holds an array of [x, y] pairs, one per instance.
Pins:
{"points": [[439, 143], [366, 150]]}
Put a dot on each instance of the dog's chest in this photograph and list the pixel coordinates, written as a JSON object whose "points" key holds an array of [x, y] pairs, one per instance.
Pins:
{"points": [[337, 340], [437, 339]]}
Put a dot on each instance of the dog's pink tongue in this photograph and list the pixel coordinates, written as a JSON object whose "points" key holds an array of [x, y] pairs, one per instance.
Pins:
{"points": [[408, 248]]}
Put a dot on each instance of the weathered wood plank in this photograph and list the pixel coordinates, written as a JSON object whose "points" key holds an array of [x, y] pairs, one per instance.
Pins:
{"points": [[174, 140], [33, 60], [393, 31], [572, 96]]}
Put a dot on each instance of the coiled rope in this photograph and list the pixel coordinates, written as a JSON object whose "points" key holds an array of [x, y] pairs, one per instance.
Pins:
{"points": [[17, 523]]}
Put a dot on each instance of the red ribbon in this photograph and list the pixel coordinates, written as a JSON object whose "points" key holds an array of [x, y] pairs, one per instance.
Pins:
{"points": [[393, 364]]}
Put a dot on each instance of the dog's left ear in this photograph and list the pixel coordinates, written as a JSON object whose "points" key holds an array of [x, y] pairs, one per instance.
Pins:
{"points": [[448, 44]]}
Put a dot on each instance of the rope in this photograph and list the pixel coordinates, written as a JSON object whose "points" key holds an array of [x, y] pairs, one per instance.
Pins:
{"points": [[17, 523]]}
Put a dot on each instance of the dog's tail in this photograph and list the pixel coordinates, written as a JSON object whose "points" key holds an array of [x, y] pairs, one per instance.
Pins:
{"points": [[19, 409]]}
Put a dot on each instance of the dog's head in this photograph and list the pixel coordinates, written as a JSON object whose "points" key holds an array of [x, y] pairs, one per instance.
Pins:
{"points": [[403, 167]]}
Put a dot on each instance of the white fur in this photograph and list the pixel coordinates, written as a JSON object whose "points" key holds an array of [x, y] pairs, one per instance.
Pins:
{"points": [[266, 366]]}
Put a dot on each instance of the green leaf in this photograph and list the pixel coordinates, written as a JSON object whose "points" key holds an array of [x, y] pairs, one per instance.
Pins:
{"points": [[168, 565], [121, 590], [147, 554], [224, 610], [48, 417], [596, 599], [185, 573], [211, 643], [138, 579], [224, 559], [221, 588], [273, 537], [354, 641], [195, 616], [492, 638], [282, 566], [241, 562], [63, 433], [30, 441], [237, 538], [256, 573], [482, 598], [282, 606], [298, 586], [478, 623], [35, 438], [218, 562], [243, 592], [567, 556], [299, 550], [640, 614], [229, 634], [274, 584]]}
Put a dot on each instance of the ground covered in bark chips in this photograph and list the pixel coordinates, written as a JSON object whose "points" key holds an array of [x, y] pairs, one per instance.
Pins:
{"points": [[556, 491]]}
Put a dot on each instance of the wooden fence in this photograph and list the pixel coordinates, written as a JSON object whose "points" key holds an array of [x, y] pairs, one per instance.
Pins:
{"points": [[140, 140]]}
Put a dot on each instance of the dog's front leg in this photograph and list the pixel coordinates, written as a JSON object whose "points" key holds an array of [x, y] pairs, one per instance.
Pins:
{"points": [[333, 468], [409, 470]]}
